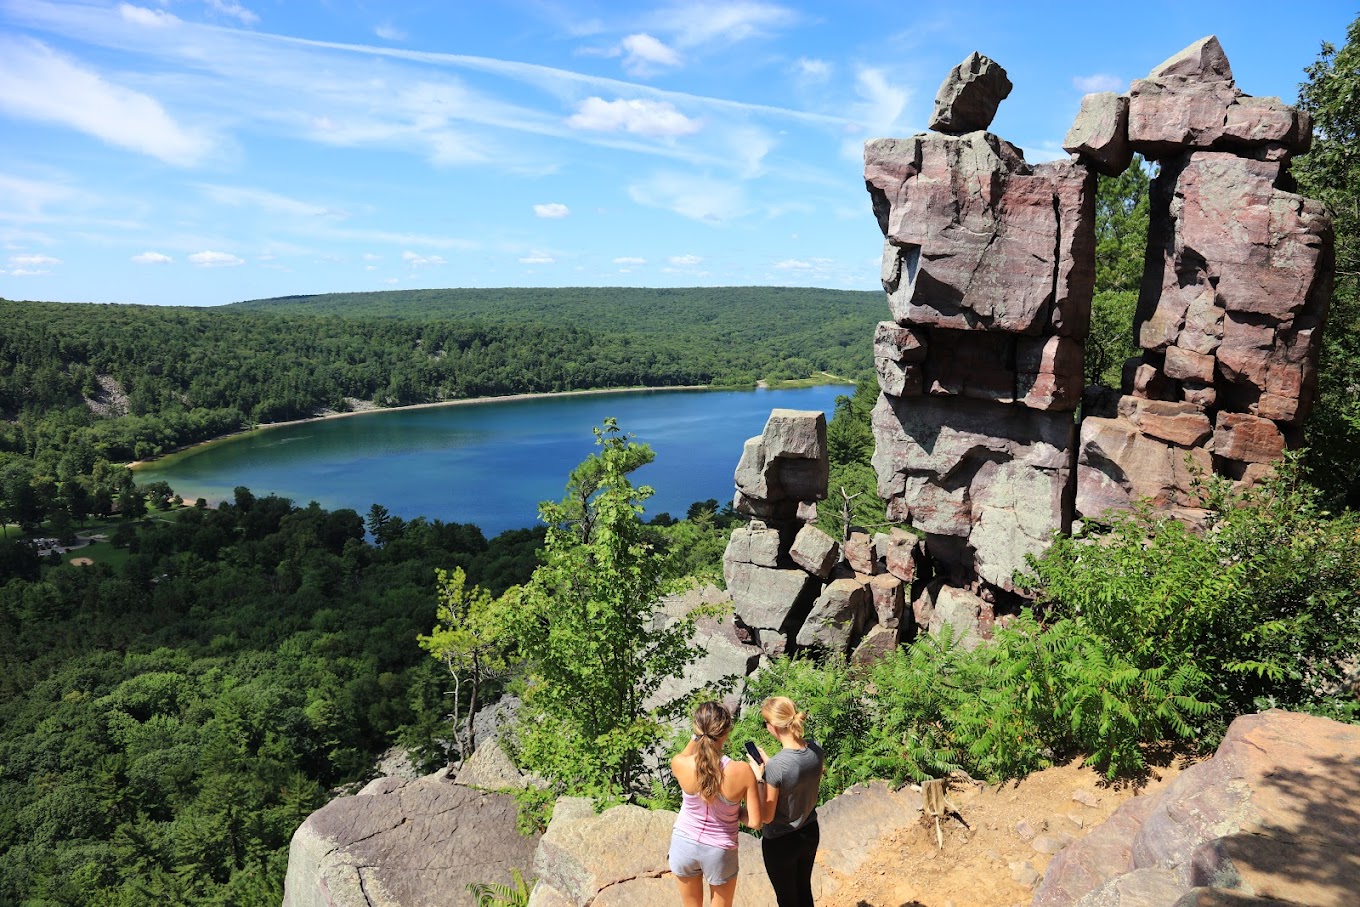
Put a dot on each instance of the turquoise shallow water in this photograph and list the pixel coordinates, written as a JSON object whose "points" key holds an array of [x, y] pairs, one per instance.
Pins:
{"points": [[488, 463]]}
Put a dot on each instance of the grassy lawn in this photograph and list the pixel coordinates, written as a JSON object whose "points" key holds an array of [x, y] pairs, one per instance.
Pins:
{"points": [[811, 381]]}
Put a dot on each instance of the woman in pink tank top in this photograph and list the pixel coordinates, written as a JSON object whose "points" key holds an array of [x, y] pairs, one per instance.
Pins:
{"points": [[715, 792]]}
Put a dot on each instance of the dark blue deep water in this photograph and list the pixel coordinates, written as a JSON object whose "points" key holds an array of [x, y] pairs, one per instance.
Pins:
{"points": [[488, 463]]}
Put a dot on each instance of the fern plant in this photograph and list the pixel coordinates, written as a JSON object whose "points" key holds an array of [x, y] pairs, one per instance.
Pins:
{"points": [[501, 894]]}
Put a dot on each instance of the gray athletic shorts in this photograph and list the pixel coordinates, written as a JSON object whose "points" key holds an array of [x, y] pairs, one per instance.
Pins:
{"points": [[690, 858]]}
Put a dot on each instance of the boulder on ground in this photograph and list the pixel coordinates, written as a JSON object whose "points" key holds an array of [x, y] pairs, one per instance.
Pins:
{"points": [[405, 844], [962, 611]]}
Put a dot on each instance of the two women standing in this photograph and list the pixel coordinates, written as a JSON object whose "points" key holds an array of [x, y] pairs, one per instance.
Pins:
{"points": [[778, 792]]}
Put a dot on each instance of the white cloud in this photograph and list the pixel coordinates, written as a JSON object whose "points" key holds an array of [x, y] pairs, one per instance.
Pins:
{"points": [[152, 258], [813, 70], [33, 261], [369, 256], [685, 261], [32, 196], [551, 211], [643, 55], [416, 260], [239, 197], [640, 117], [694, 24], [25, 272], [151, 18], [793, 264], [389, 32], [882, 103], [750, 145], [698, 197], [627, 260], [537, 258], [37, 83], [877, 112], [216, 260], [234, 10], [1098, 82]]}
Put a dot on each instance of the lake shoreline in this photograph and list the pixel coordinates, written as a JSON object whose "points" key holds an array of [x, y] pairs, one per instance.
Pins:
{"points": [[465, 401], [488, 465]]}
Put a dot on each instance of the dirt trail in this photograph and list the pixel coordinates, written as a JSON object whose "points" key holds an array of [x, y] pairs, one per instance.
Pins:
{"points": [[998, 856]]}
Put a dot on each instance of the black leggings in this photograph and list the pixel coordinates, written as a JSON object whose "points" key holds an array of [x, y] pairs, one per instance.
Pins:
{"points": [[788, 862]]}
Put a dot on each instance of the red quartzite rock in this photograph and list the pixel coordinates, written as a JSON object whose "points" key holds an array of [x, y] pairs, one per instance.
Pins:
{"points": [[976, 239], [990, 476], [898, 554], [815, 551], [837, 617], [888, 594], [1247, 438], [1117, 465], [968, 98], [1182, 424], [858, 551], [1100, 133], [1273, 813]]}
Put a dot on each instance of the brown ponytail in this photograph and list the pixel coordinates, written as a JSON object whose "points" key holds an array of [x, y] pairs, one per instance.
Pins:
{"points": [[712, 723]]}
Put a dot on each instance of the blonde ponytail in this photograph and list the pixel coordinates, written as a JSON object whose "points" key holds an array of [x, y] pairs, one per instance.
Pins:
{"points": [[781, 712]]}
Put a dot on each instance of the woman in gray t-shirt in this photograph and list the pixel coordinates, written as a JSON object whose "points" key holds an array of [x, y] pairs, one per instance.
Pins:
{"points": [[790, 780]]}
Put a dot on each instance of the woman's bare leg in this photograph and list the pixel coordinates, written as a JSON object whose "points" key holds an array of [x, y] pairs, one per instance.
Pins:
{"points": [[723, 894], [692, 891]]}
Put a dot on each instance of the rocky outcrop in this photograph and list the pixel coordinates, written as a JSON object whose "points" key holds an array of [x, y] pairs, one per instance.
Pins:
{"points": [[1271, 818], [618, 858], [1233, 297], [988, 267], [792, 585], [988, 264], [403, 843]]}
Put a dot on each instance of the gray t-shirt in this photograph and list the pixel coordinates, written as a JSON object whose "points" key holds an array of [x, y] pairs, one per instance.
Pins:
{"points": [[797, 774]]}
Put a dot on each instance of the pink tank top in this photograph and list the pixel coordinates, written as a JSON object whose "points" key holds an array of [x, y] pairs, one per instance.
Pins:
{"points": [[714, 824]]}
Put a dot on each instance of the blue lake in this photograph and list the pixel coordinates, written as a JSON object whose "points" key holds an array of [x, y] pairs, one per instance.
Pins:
{"points": [[489, 462]]}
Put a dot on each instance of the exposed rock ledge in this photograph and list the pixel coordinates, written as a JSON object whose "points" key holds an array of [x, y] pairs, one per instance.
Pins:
{"points": [[1273, 818], [402, 843]]}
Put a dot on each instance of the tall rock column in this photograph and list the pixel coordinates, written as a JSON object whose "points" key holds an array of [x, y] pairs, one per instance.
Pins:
{"points": [[1234, 294], [988, 266]]}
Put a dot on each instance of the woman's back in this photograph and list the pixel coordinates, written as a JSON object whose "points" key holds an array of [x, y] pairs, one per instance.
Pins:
{"points": [[712, 822]]}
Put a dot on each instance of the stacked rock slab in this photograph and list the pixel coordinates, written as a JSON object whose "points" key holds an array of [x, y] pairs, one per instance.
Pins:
{"points": [[1235, 290], [792, 585], [988, 264]]}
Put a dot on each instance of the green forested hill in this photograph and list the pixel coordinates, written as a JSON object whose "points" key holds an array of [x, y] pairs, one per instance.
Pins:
{"points": [[755, 313]]}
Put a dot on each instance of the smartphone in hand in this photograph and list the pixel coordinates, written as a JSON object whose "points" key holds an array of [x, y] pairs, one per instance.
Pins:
{"points": [[754, 752]]}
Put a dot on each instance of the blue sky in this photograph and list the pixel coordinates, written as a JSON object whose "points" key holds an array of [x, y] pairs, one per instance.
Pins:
{"points": [[198, 153]]}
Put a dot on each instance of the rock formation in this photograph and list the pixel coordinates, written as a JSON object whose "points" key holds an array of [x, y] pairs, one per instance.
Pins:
{"points": [[403, 843], [988, 263], [1233, 298], [1270, 819], [794, 586], [988, 266]]}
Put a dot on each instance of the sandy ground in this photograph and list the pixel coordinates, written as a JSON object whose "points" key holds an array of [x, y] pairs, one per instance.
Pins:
{"points": [[993, 853]]}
